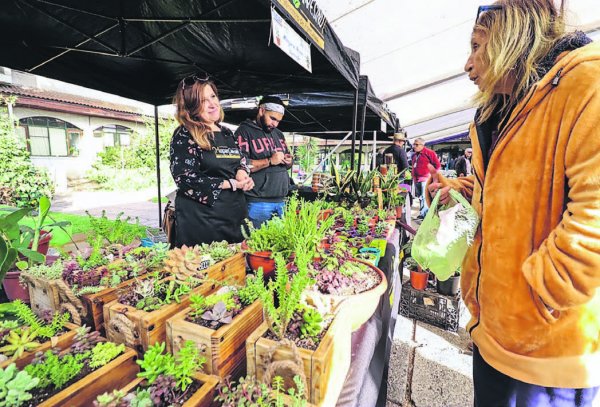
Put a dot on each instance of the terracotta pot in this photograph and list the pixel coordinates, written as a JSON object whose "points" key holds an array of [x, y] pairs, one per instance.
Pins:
{"points": [[44, 242], [14, 290], [418, 279], [399, 211], [325, 214], [264, 260], [449, 287]]}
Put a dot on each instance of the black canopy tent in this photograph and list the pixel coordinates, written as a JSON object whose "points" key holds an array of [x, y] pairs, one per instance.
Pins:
{"points": [[324, 114], [319, 114], [140, 49]]}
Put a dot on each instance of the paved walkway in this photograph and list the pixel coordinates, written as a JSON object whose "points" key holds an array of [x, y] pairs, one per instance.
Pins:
{"points": [[134, 204]]}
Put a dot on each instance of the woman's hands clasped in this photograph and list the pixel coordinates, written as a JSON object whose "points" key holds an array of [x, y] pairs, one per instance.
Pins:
{"points": [[244, 181]]}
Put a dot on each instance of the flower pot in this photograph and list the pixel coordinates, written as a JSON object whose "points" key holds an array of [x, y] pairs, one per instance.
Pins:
{"points": [[398, 212], [264, 260], [44, 242], [13, 288], [449, 287], [325, 214], [418, 279]]}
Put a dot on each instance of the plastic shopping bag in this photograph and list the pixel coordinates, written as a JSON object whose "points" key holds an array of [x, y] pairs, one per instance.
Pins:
{"points": [[444, 236]]}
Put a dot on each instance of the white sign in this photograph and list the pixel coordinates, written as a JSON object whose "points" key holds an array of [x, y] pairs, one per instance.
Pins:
{"points": [[290, 41]]}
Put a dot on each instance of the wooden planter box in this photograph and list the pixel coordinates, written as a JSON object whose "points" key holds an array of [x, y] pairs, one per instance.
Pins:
{"points": [[224, 348], [325, 368], [140, 329], [56, 296], [203, 397], [123, 369], [61, 342], [43, 294]]}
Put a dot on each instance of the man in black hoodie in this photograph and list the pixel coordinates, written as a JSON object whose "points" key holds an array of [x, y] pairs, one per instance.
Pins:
{"points": [[269, 159]]}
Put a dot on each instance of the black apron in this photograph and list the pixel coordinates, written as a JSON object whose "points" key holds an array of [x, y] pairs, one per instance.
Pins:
{"points": [[197, 223]]}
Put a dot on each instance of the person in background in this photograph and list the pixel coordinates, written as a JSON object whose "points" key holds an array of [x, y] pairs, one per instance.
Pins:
{"points": [[210, 173], [269, 159], [531, 278], [421, 159], [398, 152], [462, 166]]}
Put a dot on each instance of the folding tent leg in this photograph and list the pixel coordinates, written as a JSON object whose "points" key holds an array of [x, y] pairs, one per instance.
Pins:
{"points": [[374, 158], [354, 117], [362, 131], [157, 143]]}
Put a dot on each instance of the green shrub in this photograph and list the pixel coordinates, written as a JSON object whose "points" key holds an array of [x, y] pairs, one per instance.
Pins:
{"points": [[25, 182]]}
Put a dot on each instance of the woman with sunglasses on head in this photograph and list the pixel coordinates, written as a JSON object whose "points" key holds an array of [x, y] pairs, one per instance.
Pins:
{"points": [[531, 279], [210, 173]]}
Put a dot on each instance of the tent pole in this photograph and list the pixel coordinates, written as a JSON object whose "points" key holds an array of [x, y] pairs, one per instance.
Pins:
{"points": [[374, 158], [362, 128], [157, 143], [354, 117], [329, 154]]}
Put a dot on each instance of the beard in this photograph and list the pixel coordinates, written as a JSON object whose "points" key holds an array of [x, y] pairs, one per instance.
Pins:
{"points": [[263, 124]]}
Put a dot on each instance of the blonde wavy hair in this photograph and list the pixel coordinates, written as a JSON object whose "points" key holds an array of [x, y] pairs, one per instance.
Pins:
{"points": [[519, 36], [188, 104]]}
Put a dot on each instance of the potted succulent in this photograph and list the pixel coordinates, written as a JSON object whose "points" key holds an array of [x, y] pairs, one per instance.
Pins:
{"points": [[165, 380], [260, 243], [418, 277], [22, 246], [224, 320], [71, 377], [450, 286], [297, 338]]}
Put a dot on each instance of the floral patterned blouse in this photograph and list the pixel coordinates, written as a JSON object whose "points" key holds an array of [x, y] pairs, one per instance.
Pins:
{"points": [[199, 173]]}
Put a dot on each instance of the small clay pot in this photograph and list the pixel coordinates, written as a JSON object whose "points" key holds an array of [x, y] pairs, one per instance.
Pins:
{"points": [[418, 279], [264, 260]]}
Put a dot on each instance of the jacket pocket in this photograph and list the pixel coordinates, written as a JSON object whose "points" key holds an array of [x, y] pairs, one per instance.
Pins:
{"points": [[548, 314]]}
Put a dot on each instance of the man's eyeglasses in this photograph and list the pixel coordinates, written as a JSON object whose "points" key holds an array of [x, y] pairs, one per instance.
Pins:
{"points": [[190, 80], [483, 9]]}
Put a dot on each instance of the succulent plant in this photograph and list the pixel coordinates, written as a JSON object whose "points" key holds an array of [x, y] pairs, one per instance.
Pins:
{"points": [[312, 323], [332, 282], [161, 391], [114, 399], [185, 262], [85, 340], [19, 342], [218, 315]]}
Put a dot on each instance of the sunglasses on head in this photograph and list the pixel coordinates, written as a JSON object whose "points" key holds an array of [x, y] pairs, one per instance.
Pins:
{"points": [[190, 80], [483, 9]]}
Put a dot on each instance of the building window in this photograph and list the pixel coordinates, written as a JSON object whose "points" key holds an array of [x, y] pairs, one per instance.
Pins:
{"points": [[50, 137], [114, 135]]}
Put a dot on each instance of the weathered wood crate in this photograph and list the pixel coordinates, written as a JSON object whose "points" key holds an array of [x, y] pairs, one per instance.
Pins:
{"points": [[203, 397], [43, 294], [123, 369], [140, 329], [325, 368], [224, 348], [57, 296], [60, 342]]}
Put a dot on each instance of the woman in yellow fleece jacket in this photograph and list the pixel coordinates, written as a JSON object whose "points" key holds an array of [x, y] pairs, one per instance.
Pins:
{"points": [[531, 279]]}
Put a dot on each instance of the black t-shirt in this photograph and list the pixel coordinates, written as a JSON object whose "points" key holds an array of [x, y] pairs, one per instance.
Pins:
{"points": [[272, 183]]}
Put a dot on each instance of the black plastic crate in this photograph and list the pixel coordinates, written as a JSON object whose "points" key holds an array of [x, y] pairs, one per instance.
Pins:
{"points": [[430, 307]]}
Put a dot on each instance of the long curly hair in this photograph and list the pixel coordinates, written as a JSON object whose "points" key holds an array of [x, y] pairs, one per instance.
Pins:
{"points": [[188, 103], [519, 36]]}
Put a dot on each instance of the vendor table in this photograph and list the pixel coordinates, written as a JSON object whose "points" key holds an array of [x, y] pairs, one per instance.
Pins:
{"points": [[366, 382]]}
